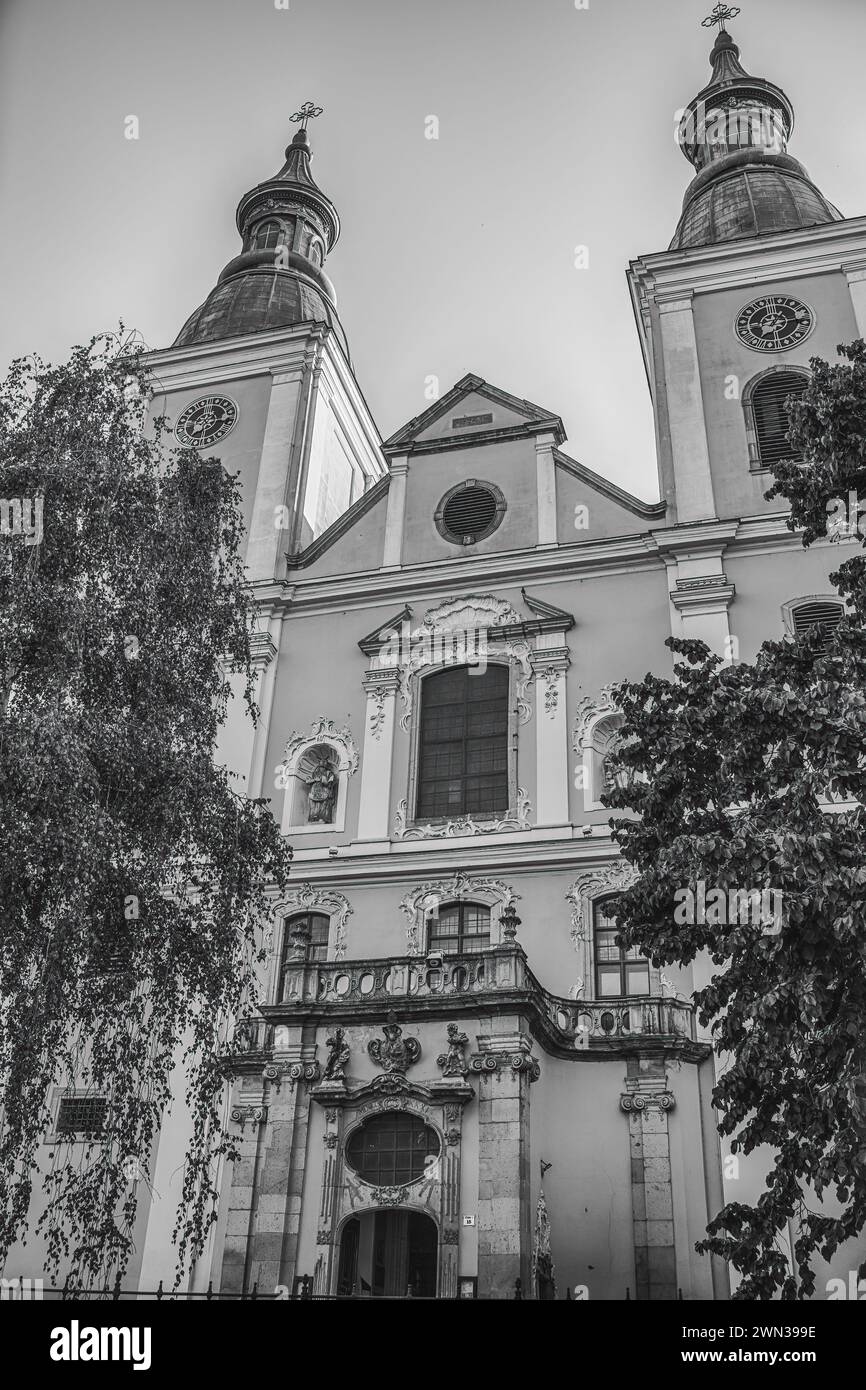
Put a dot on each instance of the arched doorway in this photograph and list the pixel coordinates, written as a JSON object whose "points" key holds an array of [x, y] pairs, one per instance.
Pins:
{"points": [[388, 1254]]}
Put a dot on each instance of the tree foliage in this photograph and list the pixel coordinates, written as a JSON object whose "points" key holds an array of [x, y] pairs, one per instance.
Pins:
{"points": [[725, 773], [134, 879]]}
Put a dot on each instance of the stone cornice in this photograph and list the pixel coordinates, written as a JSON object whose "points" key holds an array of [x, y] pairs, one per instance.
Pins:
{"points": [[785, 255], [645, 551]]}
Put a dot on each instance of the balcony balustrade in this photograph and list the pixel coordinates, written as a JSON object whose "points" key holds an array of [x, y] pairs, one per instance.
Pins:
{"points": [[487, 981]]}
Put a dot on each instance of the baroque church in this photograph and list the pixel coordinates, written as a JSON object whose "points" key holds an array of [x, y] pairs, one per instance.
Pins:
{"points": [[459, 1084]]}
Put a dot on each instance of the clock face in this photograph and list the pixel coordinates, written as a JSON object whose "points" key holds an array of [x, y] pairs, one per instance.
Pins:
{"points": [[774, 323], [206, 421]]}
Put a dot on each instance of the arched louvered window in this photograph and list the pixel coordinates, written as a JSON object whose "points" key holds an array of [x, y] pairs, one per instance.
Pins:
{"points": [[767, 420], [463, 743], [823, 614]]}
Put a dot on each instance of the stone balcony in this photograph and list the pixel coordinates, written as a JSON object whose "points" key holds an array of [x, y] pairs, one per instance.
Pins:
{"points": [[491, 982]]}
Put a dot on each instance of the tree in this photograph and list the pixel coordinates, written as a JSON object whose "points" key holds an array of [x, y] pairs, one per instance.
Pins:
{"points": [[727, 770], [133, 879]]}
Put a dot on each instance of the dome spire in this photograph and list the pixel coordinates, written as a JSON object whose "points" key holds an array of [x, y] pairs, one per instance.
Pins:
{"points": [[735, 132], [289, 227]]}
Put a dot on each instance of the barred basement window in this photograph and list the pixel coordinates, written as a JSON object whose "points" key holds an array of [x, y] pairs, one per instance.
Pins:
{"points": [[469, 512], [767, 420], [463, 743], [81, 1114]]}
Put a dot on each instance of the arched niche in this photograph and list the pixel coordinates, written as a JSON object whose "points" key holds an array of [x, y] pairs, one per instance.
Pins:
{"points": [[315, 774]]}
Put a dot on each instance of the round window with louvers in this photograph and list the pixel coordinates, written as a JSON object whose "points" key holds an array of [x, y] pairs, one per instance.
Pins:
{"points": [[470, 512]]}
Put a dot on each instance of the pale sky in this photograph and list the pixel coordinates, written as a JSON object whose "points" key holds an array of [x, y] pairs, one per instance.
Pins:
{"points": [[457, 255]]}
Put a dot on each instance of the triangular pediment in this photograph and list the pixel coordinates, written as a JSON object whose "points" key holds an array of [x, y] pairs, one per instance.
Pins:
{"points": [[472, 410]]}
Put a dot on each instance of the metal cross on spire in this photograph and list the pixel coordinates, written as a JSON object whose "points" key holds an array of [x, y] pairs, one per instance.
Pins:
{"points": [[719, 15], [308, 112]]}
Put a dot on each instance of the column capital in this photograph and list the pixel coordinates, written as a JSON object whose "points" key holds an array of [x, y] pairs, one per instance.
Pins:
{"points": [[547, 659], [262, 649], [635, 1102], [384, 680]]}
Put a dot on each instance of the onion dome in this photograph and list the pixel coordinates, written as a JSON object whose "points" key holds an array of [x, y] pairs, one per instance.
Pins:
{"points": [[735, 132], [288, 227]]}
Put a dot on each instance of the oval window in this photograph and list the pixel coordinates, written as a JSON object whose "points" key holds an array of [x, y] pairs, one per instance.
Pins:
{"points": [[392, 1149]]}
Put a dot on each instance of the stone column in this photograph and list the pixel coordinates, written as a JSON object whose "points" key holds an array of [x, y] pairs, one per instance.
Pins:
{"points": [[373, 817], [551, 733], [505, 1068], [648, 1102], [252, 1116], [545, 477], [689, 449]]}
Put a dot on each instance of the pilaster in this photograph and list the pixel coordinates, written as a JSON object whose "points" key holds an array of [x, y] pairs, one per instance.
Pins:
{"points": [[504, 1218], [545, 477], [550, 665], [395, 518], [381, 688], [689, 448], [648, 1103]]}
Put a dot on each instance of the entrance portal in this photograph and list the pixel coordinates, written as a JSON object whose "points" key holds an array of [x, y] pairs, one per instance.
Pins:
{"points": [[388, 1254]]}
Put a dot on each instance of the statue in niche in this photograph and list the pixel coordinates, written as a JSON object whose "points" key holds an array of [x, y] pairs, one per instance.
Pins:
{"points": [[338, 1056], [453, 1062], [322, 794]]}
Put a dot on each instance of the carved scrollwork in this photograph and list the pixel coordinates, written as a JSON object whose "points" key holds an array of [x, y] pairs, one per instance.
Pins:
{"points": [[487, 1062], [515, 818], [308, 1072], [450, 1236], [249, 1115], [635, 1103], [308, 897], [454, 628], [390, 1196], [395, 1053], [594, 883], [428, 895]]}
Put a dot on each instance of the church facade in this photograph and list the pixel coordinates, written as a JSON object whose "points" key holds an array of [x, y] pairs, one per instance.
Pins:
{"points": [[459, 1085]]}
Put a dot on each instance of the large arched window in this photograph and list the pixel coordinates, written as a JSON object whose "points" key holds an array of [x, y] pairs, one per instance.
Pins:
{"points": [[618, 973], [767, 420], [460, 929], [463, 742]]}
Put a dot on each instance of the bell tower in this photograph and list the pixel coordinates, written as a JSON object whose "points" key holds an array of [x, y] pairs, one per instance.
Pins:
{"points": [[763, 272], [261, 375]]}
